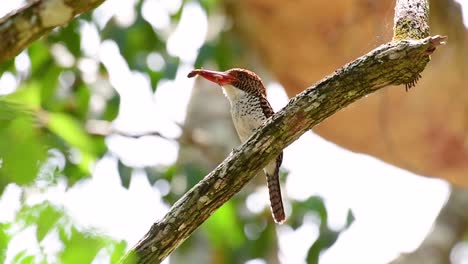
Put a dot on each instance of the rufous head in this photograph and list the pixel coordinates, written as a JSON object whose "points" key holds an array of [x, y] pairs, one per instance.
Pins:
{"points": [[242, 79]]}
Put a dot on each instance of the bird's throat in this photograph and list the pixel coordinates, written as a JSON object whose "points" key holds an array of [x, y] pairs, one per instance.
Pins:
{"points": [[233, 94]]}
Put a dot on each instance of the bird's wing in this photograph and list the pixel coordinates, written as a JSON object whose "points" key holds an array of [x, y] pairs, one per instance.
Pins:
{"points": [[266, 107]]}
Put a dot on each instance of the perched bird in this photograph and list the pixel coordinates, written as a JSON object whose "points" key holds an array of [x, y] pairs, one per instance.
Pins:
{"points": [[249, 109]]}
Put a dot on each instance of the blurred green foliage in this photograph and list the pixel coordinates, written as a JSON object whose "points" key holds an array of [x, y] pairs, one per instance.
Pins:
{"points": [[50, 110], [49, 221]]}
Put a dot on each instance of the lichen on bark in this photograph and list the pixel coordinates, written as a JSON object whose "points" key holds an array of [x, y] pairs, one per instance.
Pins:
{"points": [[411, 19], [390, 64]]}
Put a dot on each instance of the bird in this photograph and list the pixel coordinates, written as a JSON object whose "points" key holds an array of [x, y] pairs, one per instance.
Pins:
{"points": [[249, 110]]}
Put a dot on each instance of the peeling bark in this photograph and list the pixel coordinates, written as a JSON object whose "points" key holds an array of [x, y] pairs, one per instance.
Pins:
{"points": [[23, 26]]}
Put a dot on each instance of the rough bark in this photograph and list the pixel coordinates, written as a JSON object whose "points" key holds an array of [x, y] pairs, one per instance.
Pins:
{"points": [[424, 131], [394, 63], [23, 26], [450, 227], [411, 20]]}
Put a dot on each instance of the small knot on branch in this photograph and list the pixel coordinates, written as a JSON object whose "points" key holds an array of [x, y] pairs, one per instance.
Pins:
{"points": [[435, 41], [432, 43]]}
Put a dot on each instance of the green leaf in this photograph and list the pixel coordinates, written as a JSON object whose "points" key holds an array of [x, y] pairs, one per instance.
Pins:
{"points": [[4, 240], [28, 95], [70, 130], [83, 95], [48, 88], [193, 173], [205, 53], [79, 247], [155, 77], [48, 218], [10, 111], [70, 36], [326, 239], [112, 108], [225, 49], [209, 5], [224, 221], [75, 173], [39, 214], [222, 51], [22, 150], [349, 219], [8, 65], [267, 240], [171, 66], [125, 174], [23, 258], [39, 54], [170, 172], [327, 236], [28, 260], [314, 204], [175, 18], [135, 42], [118, 250]]}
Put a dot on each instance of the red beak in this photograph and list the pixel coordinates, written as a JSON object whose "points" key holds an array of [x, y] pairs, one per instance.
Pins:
{"points": [[220, 78]]}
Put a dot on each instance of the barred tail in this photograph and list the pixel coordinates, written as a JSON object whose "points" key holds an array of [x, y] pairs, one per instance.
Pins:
{"points": [[274, 189], [276, 202]]}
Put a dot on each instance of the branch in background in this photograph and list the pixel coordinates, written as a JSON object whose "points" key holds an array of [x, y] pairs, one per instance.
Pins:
{"points": [[106, 128], [449, 228], [394, 63], [390, 64], [23, 26]]}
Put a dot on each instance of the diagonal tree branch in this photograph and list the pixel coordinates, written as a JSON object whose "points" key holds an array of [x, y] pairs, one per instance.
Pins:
{"points": [[23, 26], [394, 63]]}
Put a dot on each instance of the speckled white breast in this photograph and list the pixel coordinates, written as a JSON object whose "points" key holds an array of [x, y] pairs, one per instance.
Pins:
{"points": [[246, 111]]}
